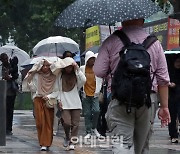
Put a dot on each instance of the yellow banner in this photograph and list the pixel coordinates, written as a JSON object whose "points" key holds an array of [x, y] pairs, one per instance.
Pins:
{"points": [[92, 37]]}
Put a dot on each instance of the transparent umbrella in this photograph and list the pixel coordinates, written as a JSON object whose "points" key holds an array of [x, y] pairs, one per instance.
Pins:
{"points": [[55, 46], [13, 51], [32, 61]]}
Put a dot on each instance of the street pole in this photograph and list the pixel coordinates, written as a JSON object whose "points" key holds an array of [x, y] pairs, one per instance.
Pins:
{"points": [[2, 112]]}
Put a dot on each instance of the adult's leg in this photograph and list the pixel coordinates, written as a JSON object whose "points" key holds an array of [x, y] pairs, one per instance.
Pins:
{"points": [[95, 112], [66, 116], [121, 124], [173, 108], [153, 110], [87, 110], [44, 122], [142, 126], [99, 125], [178, 110], [75, 119], [10, 100]]}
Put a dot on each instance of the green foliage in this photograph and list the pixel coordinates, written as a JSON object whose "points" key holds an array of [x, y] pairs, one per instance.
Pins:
{"points": [[29, 21], [165, 5], [23, 102], [160, 2]]}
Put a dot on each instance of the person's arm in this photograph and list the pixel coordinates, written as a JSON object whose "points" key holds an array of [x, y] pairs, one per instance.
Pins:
{"points": [[102, 63], [163, 113], [163, 96], [99, 83], [163, 81], [32, 82], [81, 79], [53, 95]]}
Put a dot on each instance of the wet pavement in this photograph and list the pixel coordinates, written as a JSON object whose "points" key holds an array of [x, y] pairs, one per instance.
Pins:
{"points": [[24, 139]]}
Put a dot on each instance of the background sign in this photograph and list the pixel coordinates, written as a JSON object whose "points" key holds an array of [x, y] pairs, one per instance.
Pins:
{"points": [[105, 31], [92, 36], [173, 34], [160, 29]]}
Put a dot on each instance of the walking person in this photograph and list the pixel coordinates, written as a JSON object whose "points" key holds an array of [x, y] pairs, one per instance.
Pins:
{"points": [[130, 122], [57, 120], [91, 91], [71, 80], [68, 54], [174, 101], [10, 74], [42, 84]]}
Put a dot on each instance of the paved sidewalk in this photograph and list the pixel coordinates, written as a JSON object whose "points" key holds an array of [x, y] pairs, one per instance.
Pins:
{"points": [[24, 139]]}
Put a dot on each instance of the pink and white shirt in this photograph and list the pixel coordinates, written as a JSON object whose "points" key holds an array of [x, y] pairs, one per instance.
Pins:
{"points": [[108, 56]]}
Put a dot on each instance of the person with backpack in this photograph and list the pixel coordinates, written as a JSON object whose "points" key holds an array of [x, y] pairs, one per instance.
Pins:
{"points": [[138, 70]]}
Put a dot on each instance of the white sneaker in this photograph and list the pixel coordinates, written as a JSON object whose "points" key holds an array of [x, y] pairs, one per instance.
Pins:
{"points": [[96, 133], [71, 147], [87, 136], [54, 133], [43, 148]]}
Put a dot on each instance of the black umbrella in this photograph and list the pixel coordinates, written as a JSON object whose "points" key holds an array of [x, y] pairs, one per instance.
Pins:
{"points": [[84, 13]]}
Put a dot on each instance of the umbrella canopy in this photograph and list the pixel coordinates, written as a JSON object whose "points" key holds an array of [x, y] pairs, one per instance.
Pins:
{"points": [[84, 13], [32, 61], [157, 16], [56, 46], [13, 51]]}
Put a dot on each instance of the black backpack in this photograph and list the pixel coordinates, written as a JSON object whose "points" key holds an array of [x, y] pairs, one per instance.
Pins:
{"points": [[131, 81]]}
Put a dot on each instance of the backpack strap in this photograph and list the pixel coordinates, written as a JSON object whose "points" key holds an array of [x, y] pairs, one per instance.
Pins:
{"points": [[149, 41], [123, 37], [126, 41]]}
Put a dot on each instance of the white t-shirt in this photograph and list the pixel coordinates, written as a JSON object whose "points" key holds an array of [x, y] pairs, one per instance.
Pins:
{"points": [[71, 99]]}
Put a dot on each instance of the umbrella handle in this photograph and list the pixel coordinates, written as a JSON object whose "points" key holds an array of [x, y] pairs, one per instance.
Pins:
{"points": [[12, 53], [56, 48], [110, 29]]}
